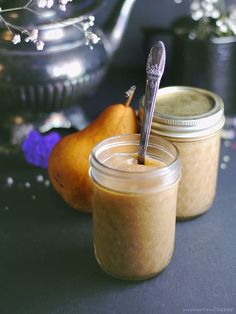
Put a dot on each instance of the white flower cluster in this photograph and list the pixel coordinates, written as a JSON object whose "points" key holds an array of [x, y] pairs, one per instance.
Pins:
{"points": [[87, 22], [204, 9], [49, 3], [91, 37], [45, 3], [214, 10], [31, 36], [227, 24], [63, 3]]}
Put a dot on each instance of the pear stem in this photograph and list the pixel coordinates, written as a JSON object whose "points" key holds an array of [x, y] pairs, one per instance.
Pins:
{"points": [[129, 95]]}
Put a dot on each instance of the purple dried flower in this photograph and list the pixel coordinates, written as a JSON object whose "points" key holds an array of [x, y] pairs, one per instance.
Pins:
{"points": [[37, 147]]}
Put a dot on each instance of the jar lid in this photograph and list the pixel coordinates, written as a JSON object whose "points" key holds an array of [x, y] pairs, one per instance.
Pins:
{"points": [[186, 112]]}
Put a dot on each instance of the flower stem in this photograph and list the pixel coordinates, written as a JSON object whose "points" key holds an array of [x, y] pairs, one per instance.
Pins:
{"points": [[18, 28], [11, 9], [5, 22], [222, 8], [27, 4]]}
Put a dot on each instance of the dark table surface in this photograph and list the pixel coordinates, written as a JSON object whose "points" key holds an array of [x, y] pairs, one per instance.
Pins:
{"points": [[47, 264]]}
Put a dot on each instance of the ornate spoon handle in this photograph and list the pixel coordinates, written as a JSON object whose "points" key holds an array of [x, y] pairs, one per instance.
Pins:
{"points": [[154, 70]]}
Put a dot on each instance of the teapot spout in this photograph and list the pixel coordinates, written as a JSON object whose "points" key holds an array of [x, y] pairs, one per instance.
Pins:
{"points": [[117, 23]]}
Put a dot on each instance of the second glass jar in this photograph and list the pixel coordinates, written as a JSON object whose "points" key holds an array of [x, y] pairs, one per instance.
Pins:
{"points": [[192, 119]]}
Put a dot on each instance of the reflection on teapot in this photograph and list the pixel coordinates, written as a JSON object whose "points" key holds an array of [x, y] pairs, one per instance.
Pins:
{"points": [[51, 79]]}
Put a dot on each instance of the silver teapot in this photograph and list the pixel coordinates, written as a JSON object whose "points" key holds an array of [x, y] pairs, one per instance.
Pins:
{"points": [[34, 81]]}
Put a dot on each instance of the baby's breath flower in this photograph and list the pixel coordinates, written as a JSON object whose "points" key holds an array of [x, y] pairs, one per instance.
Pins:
{"points": [[45, 3], [219, 23], [222, 26], [208, 6], [224, 29], [88, 22], [32, 36], [42, 3], [50, 3], [195, 5], [91, 38], [63, 3], [232, 25], [16, 39], [85, 25], [62, 7], [213, 18], [215, 14], [39, 45], [197, 15]]}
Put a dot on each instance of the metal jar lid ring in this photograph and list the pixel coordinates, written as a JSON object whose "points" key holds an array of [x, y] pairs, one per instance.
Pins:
{"points": [[200, 119]]}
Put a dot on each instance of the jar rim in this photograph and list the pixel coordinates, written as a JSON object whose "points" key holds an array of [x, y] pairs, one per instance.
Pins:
{"points": [[168, 175]]}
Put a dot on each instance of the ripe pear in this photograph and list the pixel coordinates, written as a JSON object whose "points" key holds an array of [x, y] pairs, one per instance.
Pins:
{"points": [[68, 163]]}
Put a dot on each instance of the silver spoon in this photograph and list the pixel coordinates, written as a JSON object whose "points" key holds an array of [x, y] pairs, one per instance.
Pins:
{"points": [[154, 70]]}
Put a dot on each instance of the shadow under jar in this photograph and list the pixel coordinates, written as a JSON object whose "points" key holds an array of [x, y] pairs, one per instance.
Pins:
{"points": [[134, 206], [192, 119]]}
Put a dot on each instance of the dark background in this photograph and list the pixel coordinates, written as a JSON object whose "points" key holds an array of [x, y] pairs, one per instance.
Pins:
{"points": [[146, 14], [47, 264], [211, 67]]}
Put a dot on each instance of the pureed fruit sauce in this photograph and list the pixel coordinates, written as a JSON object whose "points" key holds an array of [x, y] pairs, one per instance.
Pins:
{"points": [[192, 119], [134, 206]]}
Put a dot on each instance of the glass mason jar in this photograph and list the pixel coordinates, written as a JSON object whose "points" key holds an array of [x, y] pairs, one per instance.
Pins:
{"points": [[191, 118], [134, 212]]}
